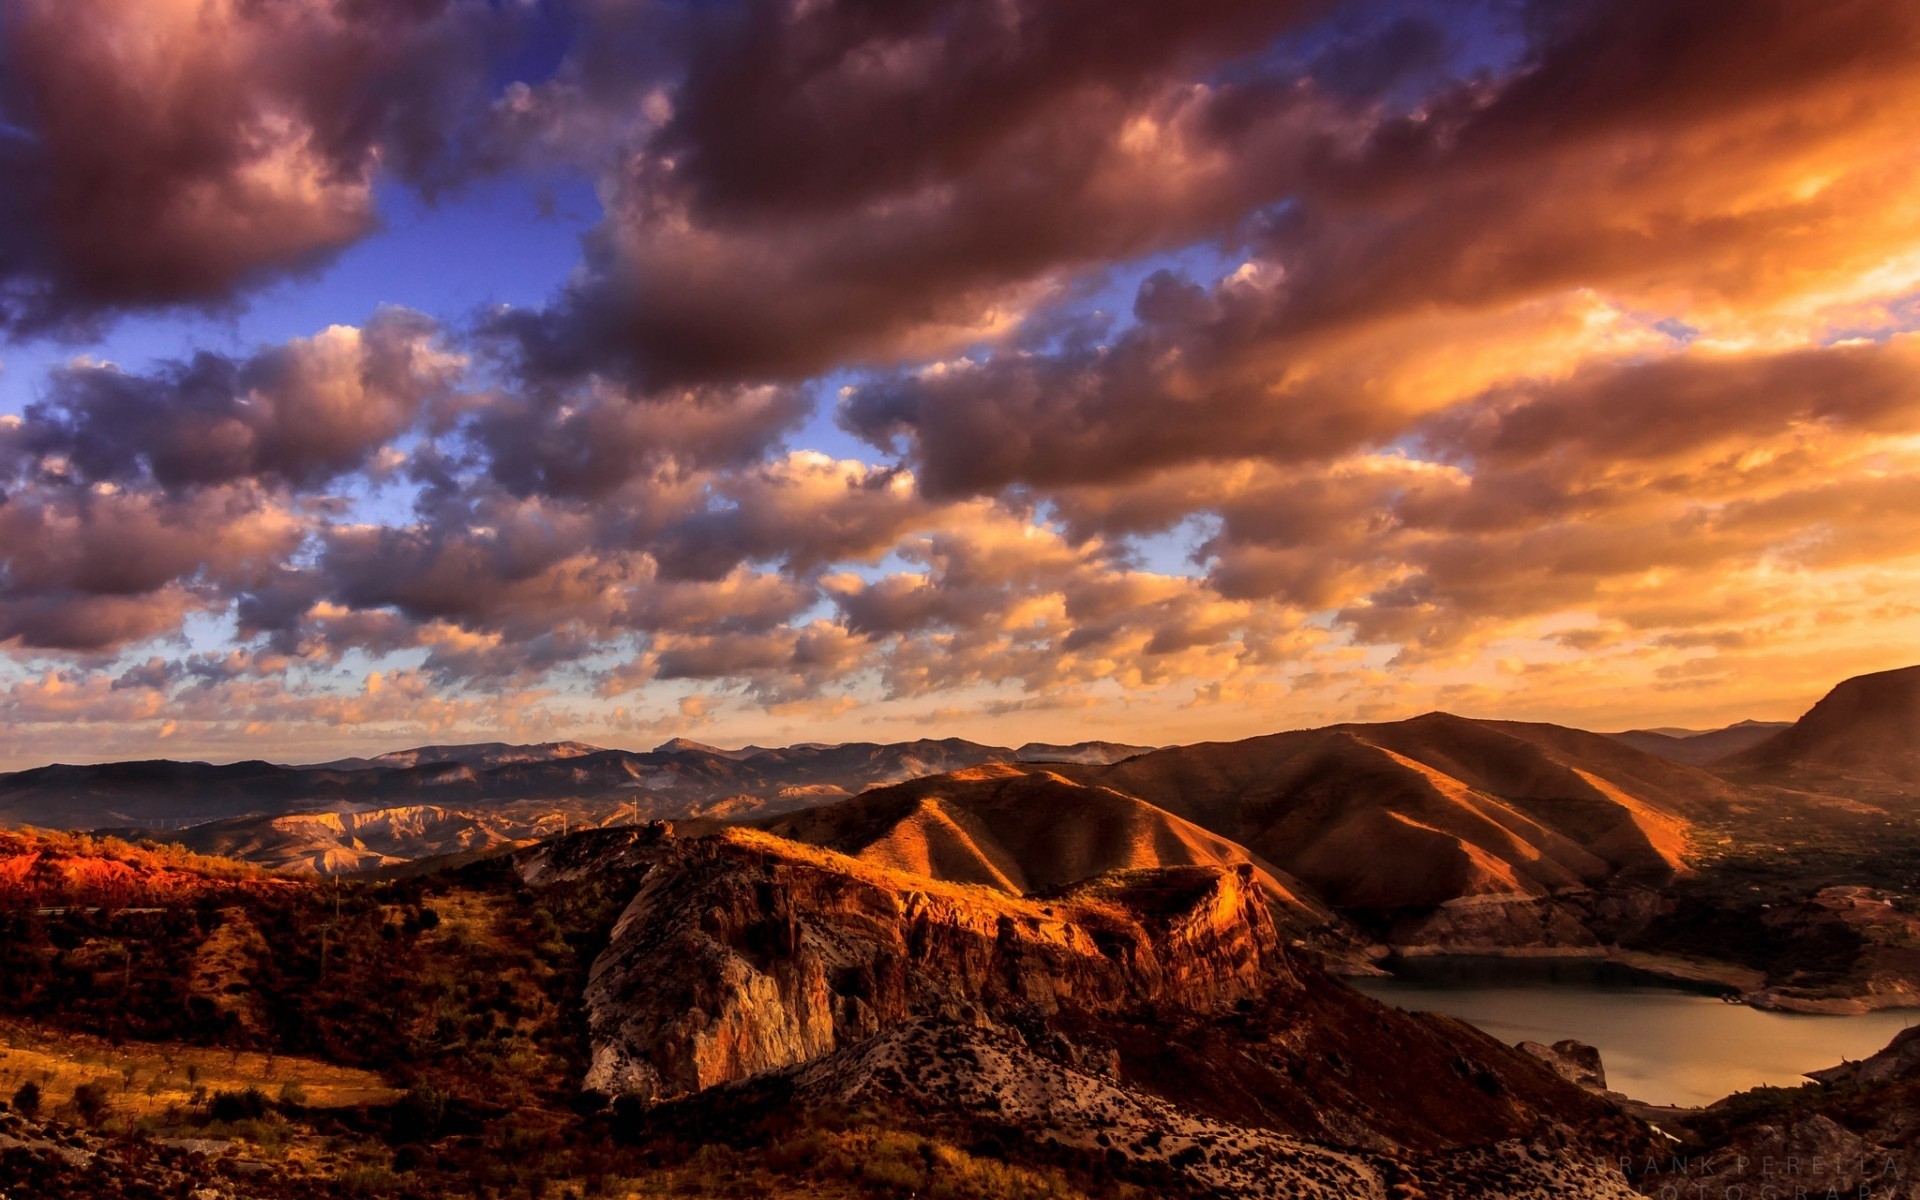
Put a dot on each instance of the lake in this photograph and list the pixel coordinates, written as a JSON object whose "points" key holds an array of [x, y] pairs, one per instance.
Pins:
{"points": [[1661, 1043]]}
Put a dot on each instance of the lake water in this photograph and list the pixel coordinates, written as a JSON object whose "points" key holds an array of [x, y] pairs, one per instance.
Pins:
{"points": [[1661, 1044]]}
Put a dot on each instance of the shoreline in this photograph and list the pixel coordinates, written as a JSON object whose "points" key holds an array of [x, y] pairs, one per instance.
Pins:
{"points": [[1742, 985]]}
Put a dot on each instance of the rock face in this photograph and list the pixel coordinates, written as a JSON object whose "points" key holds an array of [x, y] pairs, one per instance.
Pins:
{"points": [[1149, 1022], [742, 953], [1575, 1062]]}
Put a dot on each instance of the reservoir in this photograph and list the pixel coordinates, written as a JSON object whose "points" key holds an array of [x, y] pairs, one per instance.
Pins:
{"points": [[1660, 1043]]}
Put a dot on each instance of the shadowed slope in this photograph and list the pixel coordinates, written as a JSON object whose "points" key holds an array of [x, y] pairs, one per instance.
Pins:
{"points": [[1866, 728]]}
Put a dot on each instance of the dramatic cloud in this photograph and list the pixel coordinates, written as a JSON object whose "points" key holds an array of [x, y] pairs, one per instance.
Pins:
{"points": [[875, 182], [1032, 369], [299, 414], [160, 152], [1414, 265]]}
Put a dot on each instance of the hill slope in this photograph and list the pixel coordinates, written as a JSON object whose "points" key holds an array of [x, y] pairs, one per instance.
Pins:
{"points": [[1151, 1016], [41, 869], [1867, 729], [1436, 809], [1022, 831]]}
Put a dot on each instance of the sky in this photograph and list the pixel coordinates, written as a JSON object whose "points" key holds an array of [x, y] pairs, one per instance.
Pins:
{"points": [[379, 373]]}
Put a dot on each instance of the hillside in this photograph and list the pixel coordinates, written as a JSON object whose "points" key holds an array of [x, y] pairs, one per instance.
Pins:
{"points": [[48, 869], [1434, 833], [332, 843], [1024, 831], [1423, 812], [1156, 1007], [1865, 731], [1850, 1131]]}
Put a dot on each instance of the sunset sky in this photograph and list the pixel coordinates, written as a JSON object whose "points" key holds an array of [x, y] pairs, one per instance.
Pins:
{"points": [[378, 372]]}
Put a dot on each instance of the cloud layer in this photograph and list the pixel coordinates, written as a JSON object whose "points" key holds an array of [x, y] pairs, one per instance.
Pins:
{"points": [[1217, 366]]}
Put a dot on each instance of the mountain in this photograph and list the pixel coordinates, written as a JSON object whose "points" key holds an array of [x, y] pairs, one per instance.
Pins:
{"points": [[473, 754], [1866, 730], [331, 843], [679, 779], [1024, 831], [1079, 752], [1700, 747], [1435, 833], [1433, 810], [682, 745], [734, 1013]]}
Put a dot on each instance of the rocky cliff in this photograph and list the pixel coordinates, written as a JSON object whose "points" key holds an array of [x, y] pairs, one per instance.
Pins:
{"points": [[742, 952]]}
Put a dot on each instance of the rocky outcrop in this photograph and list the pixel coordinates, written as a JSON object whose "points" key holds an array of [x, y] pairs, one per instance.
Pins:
{"points": [[938, 1070], [1853, 1132], [742, 952], [1575, 1062], [993, 1084], [1898, 1060]]}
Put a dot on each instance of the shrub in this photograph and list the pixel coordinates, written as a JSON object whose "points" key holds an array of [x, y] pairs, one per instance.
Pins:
{"points": [[249, 1105], [91, 1101], [26, 1101]]}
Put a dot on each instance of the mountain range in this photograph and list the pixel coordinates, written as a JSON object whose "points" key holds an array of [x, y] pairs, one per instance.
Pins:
{"points": [[992, 978], [677, 779], [1434, 834], [1700, 747]]}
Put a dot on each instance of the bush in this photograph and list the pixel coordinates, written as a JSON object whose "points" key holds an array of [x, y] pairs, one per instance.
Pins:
{"points": [[229, 1107], [91, 1101], [292, 1094], [26, 1101]]}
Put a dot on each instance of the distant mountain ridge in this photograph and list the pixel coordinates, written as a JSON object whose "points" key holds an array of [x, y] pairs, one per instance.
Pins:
{"points": [[1698, 747], [474, 754], [1488, 823], [679, 779]]}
